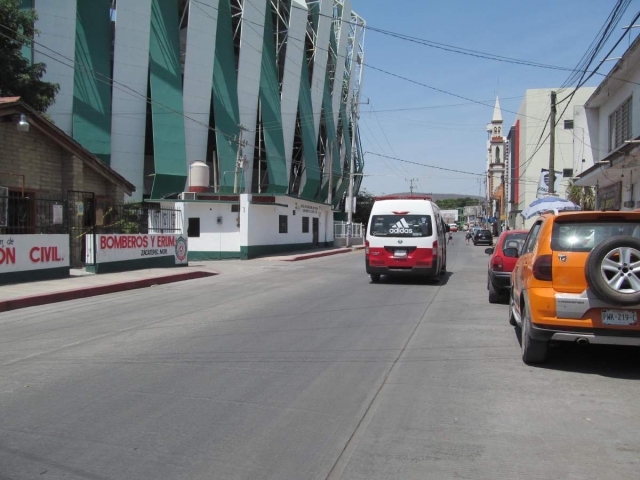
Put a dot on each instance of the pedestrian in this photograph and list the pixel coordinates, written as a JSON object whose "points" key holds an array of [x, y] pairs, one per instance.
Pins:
{"points": [[468, 237], [450, 238]]}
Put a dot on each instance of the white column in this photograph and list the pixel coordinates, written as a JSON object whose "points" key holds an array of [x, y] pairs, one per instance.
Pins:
{"points": [[320, 62], [57, 25], [338, 80], [249, 69], [291, 78], [198, 76], [129, 104]]}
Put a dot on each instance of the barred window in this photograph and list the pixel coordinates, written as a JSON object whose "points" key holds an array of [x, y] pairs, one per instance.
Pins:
{"points": [[305, 224], [620, 125], [283, 224]]}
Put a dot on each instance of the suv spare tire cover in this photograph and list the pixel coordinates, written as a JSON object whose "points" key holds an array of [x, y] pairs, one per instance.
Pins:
{"points": [[625, 280]]}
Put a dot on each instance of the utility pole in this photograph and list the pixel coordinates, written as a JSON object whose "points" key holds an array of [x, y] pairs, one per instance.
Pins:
{"points": [[552, 141], [351, 172], [411, 180], [241, 144]]}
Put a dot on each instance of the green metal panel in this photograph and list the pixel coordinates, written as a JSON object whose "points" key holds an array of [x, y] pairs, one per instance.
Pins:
{"points": [[166, 93], [327, 109], [225, 97], [271, 112], [27, 51], [344, 184], [309, 143], [91, 90]]}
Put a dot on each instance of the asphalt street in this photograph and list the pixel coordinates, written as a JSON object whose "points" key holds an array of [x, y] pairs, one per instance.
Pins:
{"points": [[306, 370]]}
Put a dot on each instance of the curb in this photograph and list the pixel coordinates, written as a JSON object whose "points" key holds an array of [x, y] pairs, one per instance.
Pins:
{"points": [[64, 295], [309, 256]]}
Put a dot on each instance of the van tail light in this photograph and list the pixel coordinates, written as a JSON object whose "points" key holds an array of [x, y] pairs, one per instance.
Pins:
{"points": [[366, 247], [434, 250], [496, 264], [542, 268]]}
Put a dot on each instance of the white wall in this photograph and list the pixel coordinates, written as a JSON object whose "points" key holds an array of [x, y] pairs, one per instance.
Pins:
{"points": [[263, 226], [617, 94], [533, 112], [214, 236]]}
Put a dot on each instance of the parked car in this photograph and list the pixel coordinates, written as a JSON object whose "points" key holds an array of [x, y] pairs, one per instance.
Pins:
{"points": [[577, 279], [500, 267], [453, 227], [483, 236]]}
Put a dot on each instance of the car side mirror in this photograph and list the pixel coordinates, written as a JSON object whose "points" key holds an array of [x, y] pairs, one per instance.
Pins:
{"points": [[510, 252], [488, 251]]}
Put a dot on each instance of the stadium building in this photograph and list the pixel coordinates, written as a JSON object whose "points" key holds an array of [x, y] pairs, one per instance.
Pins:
{"points": [[265, 92]]}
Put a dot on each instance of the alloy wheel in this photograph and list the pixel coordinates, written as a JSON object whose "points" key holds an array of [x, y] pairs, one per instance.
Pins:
{"points": [[620, 269]]}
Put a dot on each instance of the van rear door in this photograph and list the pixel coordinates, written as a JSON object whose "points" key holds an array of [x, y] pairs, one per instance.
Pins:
{"points": [[401, 240]]}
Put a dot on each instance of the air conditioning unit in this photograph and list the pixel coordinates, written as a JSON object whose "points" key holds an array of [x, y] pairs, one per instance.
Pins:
{"points": [[187, 196]]}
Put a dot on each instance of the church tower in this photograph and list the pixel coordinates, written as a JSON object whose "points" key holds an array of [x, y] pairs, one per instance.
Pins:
{"points": [[496, 157]]}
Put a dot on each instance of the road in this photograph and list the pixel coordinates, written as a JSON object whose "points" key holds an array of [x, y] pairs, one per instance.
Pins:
{"points": [[307, 371]]}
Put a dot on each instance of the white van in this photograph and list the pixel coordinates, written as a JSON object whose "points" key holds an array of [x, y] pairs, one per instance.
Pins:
{"points": [[405, 236]]}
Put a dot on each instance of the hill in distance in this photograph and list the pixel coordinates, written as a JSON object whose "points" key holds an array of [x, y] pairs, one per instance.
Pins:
{"points": [[442, 196]]}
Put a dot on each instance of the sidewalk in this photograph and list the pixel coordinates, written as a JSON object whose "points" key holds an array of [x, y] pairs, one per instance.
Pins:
{"points": [[82, 284]]}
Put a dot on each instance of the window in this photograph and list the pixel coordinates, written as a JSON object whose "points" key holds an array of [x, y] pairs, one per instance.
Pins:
{"points": [[305, 224], [194, 227], [514, 240], [283, 224], [568, 124], [401, 226], [620, 125], [583, 236], [235, 208], [532, 239], [567, 172]]}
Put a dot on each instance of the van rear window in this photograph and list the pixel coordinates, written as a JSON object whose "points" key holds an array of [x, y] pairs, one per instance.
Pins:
{"points": [[583, 236], [401, 226]]}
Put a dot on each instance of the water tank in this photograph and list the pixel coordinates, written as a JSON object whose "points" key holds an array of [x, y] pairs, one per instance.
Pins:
{"points": [[198, 177]]}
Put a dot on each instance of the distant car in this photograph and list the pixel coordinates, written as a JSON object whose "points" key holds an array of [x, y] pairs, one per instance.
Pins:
{"points": [[483, 237], [501, 266], [453, 227]]}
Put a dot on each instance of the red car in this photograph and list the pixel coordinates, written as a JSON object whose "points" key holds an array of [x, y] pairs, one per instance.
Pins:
{"points": [[500, 267]]}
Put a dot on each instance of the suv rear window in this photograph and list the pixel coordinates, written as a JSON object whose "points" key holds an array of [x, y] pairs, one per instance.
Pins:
{"points": [[401, 226], [583, 236], [514, 240]]}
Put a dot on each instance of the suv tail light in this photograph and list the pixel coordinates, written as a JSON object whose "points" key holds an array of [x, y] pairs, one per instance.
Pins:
{"points": [[434, 250], [496, 264], [542, 268], [366, 247]]}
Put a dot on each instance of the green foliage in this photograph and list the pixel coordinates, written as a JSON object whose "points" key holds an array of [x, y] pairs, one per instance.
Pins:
{"points": [[364, 203], [18, 77], [584, 197], [455, 203]]}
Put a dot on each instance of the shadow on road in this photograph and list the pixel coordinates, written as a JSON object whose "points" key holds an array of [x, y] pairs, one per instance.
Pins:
{"points": [[401, 280], [613, 361]]}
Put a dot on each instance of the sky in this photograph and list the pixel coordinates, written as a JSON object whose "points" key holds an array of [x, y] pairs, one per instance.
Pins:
{"points": [[437, 129]]}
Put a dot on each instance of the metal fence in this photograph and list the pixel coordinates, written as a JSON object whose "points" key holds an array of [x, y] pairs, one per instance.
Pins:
{"points": [[24, 215], [341, 229], [137, 218]]}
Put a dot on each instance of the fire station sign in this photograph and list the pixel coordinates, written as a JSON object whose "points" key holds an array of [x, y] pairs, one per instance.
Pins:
{"points": [[125, 247]]}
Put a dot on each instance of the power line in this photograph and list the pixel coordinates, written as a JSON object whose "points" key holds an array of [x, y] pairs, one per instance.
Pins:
{"points": [[424, 164]]}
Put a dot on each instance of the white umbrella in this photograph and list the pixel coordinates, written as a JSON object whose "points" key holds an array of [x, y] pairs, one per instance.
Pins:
{"points": [[548, 203]]}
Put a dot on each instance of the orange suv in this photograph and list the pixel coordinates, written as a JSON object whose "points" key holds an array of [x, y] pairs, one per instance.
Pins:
{"points": [[577, 279]]}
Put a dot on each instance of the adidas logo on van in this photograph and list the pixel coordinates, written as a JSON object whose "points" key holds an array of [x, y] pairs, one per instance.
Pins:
{"points": [[401, 227]]}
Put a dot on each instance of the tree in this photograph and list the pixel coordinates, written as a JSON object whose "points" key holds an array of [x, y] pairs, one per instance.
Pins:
{"points": [[18, 77], [364, 203], [584, 197]]}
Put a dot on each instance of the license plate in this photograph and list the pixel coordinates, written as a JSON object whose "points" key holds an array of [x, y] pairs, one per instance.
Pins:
{"points": [[619, 317], [400, 253]]}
